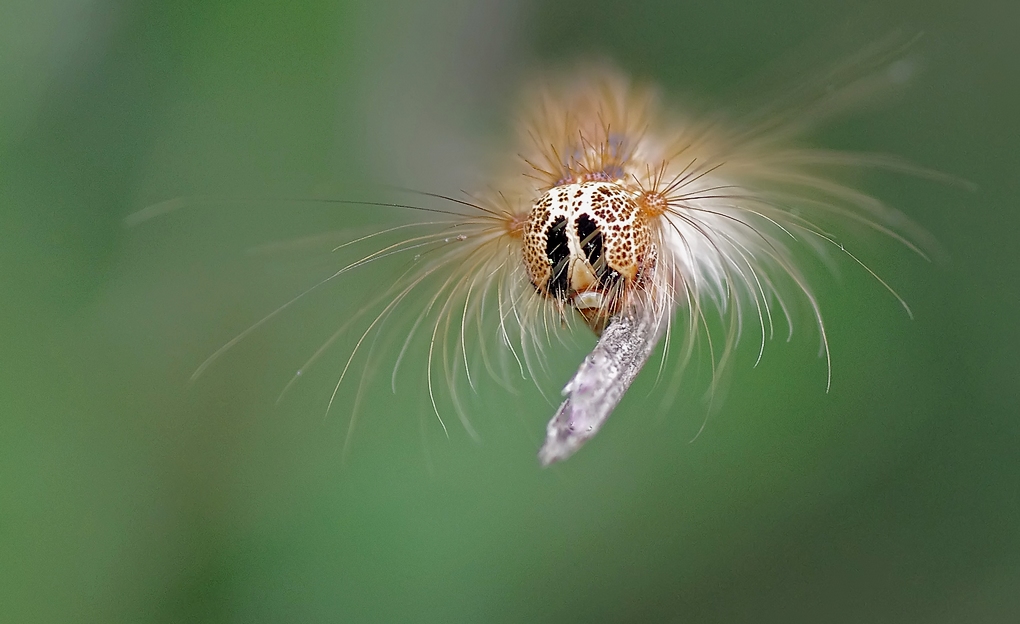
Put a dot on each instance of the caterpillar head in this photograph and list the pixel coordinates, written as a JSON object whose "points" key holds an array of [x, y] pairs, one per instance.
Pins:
{"points": [[588, 245]]}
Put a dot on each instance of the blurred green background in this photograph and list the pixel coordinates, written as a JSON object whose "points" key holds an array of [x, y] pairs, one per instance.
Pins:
{"points": [[129, 495]]}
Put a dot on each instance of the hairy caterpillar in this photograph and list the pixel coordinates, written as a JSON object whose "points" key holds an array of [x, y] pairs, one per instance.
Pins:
{"points": [[624, 216]]}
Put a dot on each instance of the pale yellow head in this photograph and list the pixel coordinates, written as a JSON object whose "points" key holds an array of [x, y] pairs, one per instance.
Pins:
{"points": [[587, 244]]}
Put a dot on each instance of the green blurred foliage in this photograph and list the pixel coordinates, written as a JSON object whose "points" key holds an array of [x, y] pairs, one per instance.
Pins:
{"points": [[129, 494]]}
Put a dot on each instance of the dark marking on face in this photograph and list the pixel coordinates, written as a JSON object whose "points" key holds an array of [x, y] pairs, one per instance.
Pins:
{"points": [[558, 252], [590, 235]]}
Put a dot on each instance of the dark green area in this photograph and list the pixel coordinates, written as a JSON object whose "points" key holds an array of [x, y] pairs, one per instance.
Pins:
{"points": [[128, 494]]}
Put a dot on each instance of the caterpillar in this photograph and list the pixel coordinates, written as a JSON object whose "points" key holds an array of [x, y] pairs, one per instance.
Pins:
{"points": [[618, 215]]}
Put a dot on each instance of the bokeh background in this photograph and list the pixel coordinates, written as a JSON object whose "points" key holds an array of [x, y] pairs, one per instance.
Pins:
{"points": [[128, 494]]}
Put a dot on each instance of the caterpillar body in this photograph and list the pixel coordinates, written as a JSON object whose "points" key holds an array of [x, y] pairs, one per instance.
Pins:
{"points": [[621, 215]]}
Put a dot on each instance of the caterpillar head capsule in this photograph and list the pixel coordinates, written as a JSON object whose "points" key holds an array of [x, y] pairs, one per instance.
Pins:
{"points": [[587, 245]]}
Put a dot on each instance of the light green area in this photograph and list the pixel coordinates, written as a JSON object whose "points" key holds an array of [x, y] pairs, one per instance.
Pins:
{"points": [[128, 494]]}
